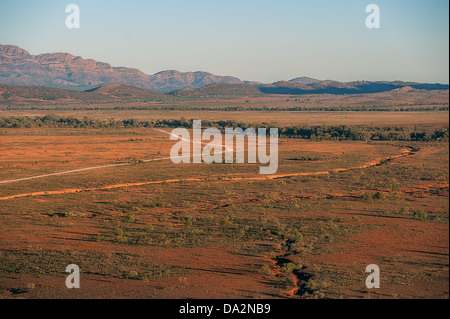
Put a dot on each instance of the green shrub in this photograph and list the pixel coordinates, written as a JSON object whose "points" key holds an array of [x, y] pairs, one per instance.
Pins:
{"points": [[266, 270], [130, 217], [420, 214], [188, 221], [118, 232]]}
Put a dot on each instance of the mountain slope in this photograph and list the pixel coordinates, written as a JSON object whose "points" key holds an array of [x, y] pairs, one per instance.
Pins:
{"points": [[12, 94], [221, 90], [304, 80], [63, 70], [334, 87], [125, 92]]}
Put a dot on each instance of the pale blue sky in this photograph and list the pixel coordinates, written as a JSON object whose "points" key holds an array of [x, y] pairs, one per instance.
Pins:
{"points": [[260, 40]]}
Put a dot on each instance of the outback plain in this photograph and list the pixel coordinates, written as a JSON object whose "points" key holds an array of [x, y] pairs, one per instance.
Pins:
{"points": [[362, 179]]}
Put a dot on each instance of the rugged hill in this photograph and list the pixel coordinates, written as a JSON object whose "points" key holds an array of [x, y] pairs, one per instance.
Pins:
{"points": [[12, 94], [125, 92], [304, 80], [334, 87], [63, 70], [221, 90], [291, 88]]}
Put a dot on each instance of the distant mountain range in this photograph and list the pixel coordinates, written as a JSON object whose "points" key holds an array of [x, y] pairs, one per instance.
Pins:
{"points": [[63, 70]]}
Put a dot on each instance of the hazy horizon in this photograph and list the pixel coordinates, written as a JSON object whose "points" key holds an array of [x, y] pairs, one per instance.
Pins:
{"points": [[263, 41]]}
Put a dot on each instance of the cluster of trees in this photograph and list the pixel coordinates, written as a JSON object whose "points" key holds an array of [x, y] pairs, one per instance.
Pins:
{"points": [[362, 133], [322, 132], [353, 109], [339, 108], [357, 108]]}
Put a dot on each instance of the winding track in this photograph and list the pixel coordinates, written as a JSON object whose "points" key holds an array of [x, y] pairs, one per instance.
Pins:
{"points": [[104, 166], [404, 152]]}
